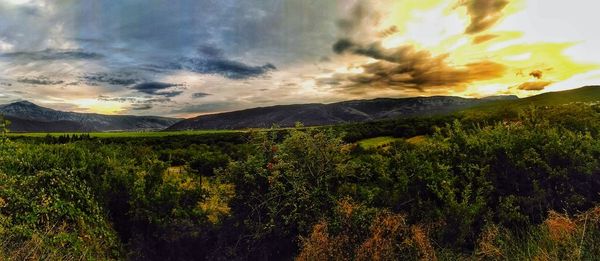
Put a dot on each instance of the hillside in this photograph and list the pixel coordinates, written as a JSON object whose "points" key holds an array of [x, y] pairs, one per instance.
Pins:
{"points": [[28, 117], [583, 94], [334, 113]]}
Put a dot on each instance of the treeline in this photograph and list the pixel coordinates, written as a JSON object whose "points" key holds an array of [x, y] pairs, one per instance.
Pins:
{"points": [[500, 185]]}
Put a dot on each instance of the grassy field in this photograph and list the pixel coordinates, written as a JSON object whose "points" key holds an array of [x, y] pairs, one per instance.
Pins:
{"points": [[376, 142], [127, 134]]}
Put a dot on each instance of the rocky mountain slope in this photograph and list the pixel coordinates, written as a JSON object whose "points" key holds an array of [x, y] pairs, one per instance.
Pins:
{"points": [[28, 117], [327, 114]]}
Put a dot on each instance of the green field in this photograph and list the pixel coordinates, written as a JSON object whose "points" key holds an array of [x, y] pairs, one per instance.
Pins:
{"points": [[377, 142]]}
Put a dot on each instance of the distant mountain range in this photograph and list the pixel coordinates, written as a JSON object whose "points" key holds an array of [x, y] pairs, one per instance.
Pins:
{"points": [[377, 109], [334, 113], [28, 117]]}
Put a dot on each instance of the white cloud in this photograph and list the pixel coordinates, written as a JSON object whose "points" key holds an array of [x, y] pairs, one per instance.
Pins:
{"points": [[5, 47]]}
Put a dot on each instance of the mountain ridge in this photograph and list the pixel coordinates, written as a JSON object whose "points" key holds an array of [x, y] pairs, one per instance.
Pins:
{"points": [[26, 116], [29, 117], [314, 114]]}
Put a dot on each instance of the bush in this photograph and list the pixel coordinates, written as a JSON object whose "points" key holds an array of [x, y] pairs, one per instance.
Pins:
{"points": [[53, 214]]}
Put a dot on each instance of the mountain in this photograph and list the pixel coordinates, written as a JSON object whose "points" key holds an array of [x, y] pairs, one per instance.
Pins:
{"points": [[334, 113], [28, 117]]}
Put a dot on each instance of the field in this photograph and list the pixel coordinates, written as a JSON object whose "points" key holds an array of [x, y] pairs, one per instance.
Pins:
{"points": [[485, 186], [377, 142]]}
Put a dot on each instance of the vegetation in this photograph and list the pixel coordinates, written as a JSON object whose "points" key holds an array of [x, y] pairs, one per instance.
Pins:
{"points": [[498, 185], [588, 94], [127, 134], [377, 142]]}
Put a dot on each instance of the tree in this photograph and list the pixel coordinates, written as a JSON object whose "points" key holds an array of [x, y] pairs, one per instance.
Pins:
{"points": [[284, 188], [3, 128]]}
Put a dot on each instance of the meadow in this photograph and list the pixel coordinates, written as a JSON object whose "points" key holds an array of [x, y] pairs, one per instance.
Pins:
{"points": [[500, 185]]}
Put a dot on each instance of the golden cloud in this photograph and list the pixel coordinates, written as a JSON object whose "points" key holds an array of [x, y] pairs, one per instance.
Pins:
{"points": [[484, 14], [406, 67], [534, 86]]}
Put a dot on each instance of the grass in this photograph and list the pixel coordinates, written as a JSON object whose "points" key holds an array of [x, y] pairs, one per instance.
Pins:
{"points": [[376, 142], [126, 134], [150, 134], [417, 139]]}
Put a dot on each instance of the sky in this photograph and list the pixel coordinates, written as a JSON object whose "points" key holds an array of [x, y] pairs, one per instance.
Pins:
{"points": [[184, 58]]}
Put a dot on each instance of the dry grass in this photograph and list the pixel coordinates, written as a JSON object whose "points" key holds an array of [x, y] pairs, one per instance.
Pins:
{"points": [[421, 238], [382, 244], [388, 238], [560, 227], [320, 245], [486, 245], [566, 237]]}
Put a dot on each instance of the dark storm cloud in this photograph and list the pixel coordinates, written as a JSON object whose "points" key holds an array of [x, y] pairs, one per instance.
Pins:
{"points": [[117, 99], [40, 80], [123, 79], [226, 68], [159, 88], [156, 100], [534, 86], [204, 108], [484, 14], [141, 107], [200, 95], [360, 18], [210, 51], [406, 67], [212, 60], [135, 100], [53, 54]]}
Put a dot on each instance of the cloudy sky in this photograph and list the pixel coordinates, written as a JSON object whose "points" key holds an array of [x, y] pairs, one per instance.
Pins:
{"points": [[190, 57]]}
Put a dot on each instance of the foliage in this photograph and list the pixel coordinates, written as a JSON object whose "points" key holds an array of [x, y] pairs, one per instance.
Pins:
{"points": [[53, 214], [378, 142], [497, 185], [3, 128]]}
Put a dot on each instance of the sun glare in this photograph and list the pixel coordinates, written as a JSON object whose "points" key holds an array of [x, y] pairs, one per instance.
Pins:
{"points": [[438, 27], [98, 106]]}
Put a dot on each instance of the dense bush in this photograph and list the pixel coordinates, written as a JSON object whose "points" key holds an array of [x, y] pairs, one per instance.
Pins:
{"points": [[459, 180], [85, 199], [53, 215]]}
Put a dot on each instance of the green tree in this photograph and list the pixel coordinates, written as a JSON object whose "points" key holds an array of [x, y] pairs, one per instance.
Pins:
{"points": [[3, 128], [284, 188]]}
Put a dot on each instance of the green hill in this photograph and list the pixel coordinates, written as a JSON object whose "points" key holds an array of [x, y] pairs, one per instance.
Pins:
{"points": [[583, 94]]}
